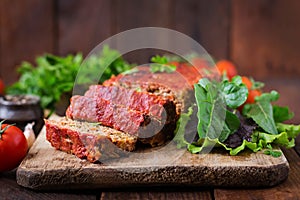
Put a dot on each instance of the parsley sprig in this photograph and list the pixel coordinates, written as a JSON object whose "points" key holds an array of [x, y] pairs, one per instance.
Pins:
{"points": [[161, 64]]}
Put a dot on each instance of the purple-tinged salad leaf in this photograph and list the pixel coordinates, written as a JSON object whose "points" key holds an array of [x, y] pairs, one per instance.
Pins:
{"points": [[244, 132], [220, 123]]}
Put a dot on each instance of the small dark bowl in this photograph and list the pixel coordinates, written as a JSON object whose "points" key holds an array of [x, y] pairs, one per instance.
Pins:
{"points": [[21, 110]]}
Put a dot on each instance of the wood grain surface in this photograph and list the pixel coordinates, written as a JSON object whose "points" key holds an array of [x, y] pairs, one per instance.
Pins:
{"points": [[211, 30], [9, 190], [26, 30], [203, 195], [82, 30], [287, 190], [47, 168], [264, 38], [260, 36]]}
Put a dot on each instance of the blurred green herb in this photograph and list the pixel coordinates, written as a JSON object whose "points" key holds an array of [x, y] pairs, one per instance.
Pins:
{"points": [[161, 64], [272, 152], [53, 75], [105, 64], [256, 85]]}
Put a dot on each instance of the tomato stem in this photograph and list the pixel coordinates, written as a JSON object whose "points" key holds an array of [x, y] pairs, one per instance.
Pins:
{"points": [[4, 129]]}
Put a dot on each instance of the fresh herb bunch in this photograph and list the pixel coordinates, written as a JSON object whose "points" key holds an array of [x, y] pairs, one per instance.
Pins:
{"points": [[258, 126], [51, 77], [55, 75], [161, 64], [105, 64]]}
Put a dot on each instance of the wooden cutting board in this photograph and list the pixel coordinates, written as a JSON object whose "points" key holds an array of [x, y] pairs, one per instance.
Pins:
{"points": [[47, 168]]}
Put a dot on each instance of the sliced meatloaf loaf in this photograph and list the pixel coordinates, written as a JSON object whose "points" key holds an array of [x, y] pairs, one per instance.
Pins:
{"points": [[176, 86], [146, 115], [108, 114], [88, 140], [141, 106], [144, 102]]}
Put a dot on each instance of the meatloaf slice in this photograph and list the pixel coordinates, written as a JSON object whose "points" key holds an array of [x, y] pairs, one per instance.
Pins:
{"points": [[108, 114], [88, 140], [144, 102], [149, 129]]}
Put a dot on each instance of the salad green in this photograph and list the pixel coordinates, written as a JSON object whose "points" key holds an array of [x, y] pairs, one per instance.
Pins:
{"points": [[259, 126]]}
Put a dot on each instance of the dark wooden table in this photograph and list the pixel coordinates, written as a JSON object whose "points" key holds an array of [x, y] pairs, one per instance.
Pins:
{"points": [[289, 189]]}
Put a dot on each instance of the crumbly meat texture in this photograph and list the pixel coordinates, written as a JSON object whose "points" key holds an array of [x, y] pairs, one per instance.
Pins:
{"points": [[119, 117], [141, 101], [147, 115], [91, 141], [108, 114], [176, 86]]}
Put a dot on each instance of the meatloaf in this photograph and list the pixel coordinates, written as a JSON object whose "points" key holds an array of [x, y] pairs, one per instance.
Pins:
{"points": [[128, 108], [141, 101], [150, 117], [88, 140], [109, 114], [176, 86]]}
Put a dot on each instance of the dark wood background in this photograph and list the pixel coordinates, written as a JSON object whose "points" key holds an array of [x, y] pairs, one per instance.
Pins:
{"points": [[260, 36]]}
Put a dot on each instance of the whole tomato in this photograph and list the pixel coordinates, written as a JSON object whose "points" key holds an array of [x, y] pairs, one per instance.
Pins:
{"points": [[247, 82], [228, 67], [1, 87], [13, 147], [251, 96]]}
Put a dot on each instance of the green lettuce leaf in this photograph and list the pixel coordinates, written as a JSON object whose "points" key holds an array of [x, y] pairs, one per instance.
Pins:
{"points": [[232, 123], [235, 92], [281, 114], [180, 128], [269, 97], [215, 117], [260, 140], [205, 143], [262, 111], [291, 129], [211, 109], [209, 143]]}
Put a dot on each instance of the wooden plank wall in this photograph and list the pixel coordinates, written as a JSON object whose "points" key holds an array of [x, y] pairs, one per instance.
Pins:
{"points": [[26, 30], [30, 28], [261, 36]]}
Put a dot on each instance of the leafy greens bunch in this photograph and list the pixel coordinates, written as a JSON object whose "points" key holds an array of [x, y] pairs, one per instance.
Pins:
{"points": [[258, 126], [162, 64], [55, 75]]}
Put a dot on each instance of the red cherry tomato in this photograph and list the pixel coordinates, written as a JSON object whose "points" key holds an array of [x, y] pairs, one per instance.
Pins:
{"points": [[247, 82], [13, 147], [1, 87], [251, 96], [228, 67]]}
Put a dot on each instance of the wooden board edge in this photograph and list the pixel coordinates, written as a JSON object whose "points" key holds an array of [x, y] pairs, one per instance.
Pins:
{"points": [[165, 176]]}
